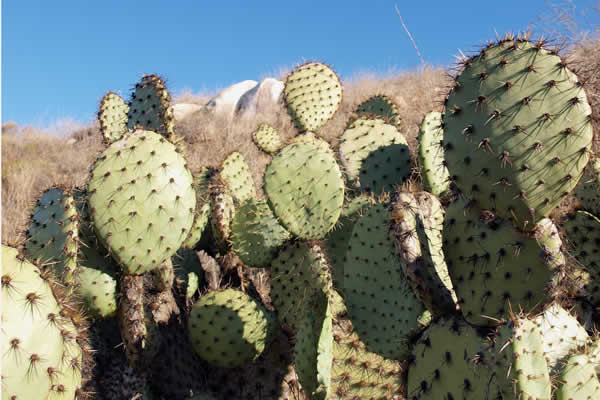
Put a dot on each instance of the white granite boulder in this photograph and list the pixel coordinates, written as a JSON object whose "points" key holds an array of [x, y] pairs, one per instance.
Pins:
{"points": [[226, 101], [265, 94]]}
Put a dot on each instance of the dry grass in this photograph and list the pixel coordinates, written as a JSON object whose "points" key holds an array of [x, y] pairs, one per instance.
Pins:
{"points": [[33, 162]]}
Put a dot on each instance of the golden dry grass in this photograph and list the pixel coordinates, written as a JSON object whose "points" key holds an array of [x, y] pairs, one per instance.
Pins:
{"points": [[34, 162]]}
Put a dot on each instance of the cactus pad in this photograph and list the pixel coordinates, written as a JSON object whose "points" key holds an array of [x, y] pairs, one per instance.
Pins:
{"points": [[41, 355], [578, 379], [375, 155], [256, 234], [203, 209], [313, 93], [305, 189], [141, 200], [228, 328], [267, 139], [434, 173], [517, 130], [150, 107], [382, 107], [236, 175], [381, 305], [53, 233], [588, 189], [113, 117]]}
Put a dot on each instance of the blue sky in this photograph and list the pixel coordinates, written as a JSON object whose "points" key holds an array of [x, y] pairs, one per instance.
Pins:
{"points": [[59, 57]]}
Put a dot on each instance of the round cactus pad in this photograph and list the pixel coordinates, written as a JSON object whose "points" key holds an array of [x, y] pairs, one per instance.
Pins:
{"points": [[236, 174], [305, 189], [113, 117], [313, 93], [150, 107], [267, 139], [141, 200], [517, 131], [380, 106]]}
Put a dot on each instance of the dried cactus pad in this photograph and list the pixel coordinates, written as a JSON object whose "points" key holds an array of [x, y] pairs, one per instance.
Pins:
{"points": [[305, 189], [229, 328], [382, 107], [517, 130], [150, 107], [141, 200], [113, 117], [41, 358], [313, 93], [375, 155], [53, 232], [436, 179], [267, 139]]}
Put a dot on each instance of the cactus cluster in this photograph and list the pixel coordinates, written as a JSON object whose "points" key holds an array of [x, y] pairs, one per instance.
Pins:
{"points": [[341, 278]]}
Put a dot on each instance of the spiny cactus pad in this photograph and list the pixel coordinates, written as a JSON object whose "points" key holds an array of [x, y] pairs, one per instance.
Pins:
{"points": [[256, 234], [41, 356], [236, 175], [228, 328], [493, 266], [578, 379], [113, 117], [141, 200], [313, 93], [267, 138], [150, 107], [203, 209], [435, 175], [97, 283], [53, 233], [517, 130], [382, 107], [375, 154], [297, 273], [381, 305], [588, 189], [305, 189]]}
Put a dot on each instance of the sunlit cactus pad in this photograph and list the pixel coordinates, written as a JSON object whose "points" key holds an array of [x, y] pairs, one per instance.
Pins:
{"points": [[305, 189], [517, 130], [434, 173], [267, 139], [313, 93], [228, 328], [141, 200], [236, 174], [113, 117]]}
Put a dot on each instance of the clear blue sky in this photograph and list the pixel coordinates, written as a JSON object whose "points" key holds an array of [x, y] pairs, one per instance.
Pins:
{"points": [[59, 57]]}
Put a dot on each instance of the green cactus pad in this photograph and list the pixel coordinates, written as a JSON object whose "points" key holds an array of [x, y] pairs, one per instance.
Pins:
{"points": [[517, 130], [314, 348], [228, 328], [313, 93], [53, 233], [444, 364], [188, 270], [201, 186], [583, 232], [41, 355], [382, 107], [113, 117], [493, 266], [375, 155], [312, 138], [336, 242], [97, 282], [297, 273], [256, 234], [418, 223], [588, 189], [150, 107], [236, 175], [141, 200], [435, 175], [222, 212], [267, 139], [305, 189], [578, 379], [381, 305]]}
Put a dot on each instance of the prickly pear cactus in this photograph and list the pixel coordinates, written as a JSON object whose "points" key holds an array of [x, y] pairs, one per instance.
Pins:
{"points": [[375, 155], [228, 328], [493, 266], [97, 284], [305, 189], [578, 379], [41, 354], [201, 186], [313, 93], [256, 234], [588, 189], [141, 200], [113, 117], [380, 106], [382, 307], [236, 175], [52, 237], [267, 139], [517, 130], [150, 107], [434, 172]]}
